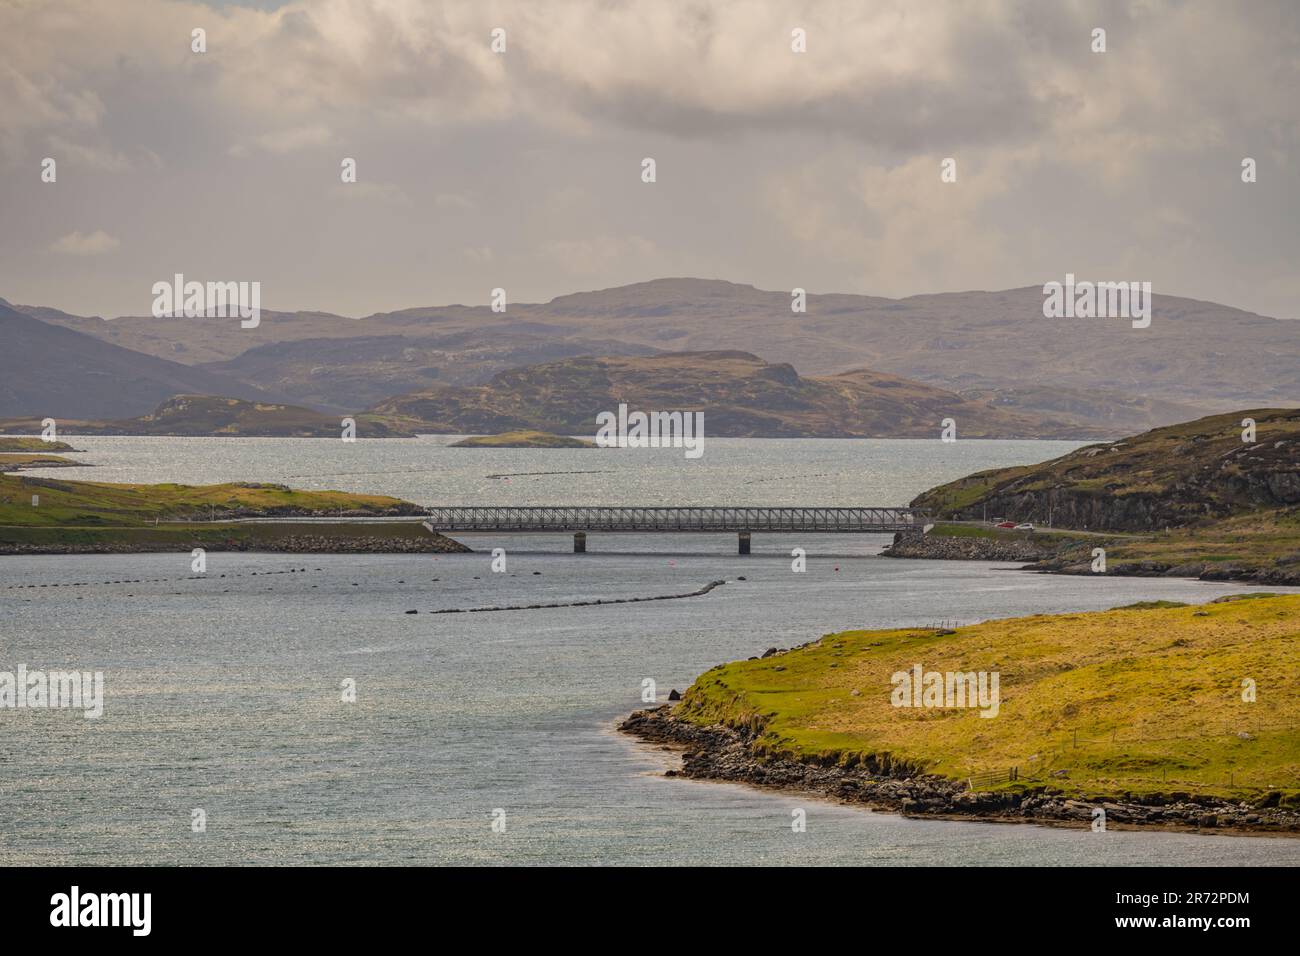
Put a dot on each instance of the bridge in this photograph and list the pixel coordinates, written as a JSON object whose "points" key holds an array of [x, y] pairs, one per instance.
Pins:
{"points": [[743, 521]]}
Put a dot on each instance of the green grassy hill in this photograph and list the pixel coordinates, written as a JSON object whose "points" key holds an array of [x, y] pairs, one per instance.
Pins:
{"points": [[1167, 477], [1145, 699], [98, 516], [31, 444], [100, 504], [1192, 500]]}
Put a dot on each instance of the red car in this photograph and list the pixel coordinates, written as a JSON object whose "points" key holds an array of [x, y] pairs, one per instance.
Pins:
{"points": [[1005, 524]]}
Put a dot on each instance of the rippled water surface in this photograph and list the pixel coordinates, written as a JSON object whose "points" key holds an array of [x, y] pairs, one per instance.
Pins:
{"points": [[223, 691]]}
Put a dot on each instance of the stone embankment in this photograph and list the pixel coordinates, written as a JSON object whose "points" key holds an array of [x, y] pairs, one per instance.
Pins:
{"points": [[722, 753], [951, 548]]}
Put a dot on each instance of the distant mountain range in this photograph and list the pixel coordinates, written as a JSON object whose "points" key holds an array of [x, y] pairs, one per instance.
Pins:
{"points": [[51, 370], [995, 350], [739, 394]]}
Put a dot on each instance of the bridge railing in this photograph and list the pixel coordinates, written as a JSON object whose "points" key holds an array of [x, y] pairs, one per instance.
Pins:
{"points": [[578, 518]]}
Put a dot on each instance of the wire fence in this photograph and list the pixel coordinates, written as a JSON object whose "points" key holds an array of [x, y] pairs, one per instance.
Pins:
{"points": [[1056, 765]]}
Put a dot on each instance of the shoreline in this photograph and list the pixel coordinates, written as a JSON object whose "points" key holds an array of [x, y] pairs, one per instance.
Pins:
{"points": [[724, 754], [268, 539], [1048, 560]]}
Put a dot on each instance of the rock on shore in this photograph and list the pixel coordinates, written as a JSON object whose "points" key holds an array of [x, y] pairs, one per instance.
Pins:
{"points": [[1042, 555], [951, 548], [722, 753]]}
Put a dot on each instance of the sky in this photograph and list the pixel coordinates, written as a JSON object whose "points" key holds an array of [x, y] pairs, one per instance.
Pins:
{"points": [[523, 169]]}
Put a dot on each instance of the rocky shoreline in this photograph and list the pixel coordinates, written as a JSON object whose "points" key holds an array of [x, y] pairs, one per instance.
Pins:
{"points": [[944, 548], [726, 754], [1045, 557]]}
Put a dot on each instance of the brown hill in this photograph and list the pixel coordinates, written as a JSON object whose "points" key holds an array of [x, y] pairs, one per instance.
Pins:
{"points": [[739, 394], [1196, 358], [1168, 477]]}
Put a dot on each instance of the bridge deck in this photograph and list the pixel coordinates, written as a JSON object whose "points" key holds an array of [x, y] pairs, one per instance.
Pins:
{"points": [[492, 518]]}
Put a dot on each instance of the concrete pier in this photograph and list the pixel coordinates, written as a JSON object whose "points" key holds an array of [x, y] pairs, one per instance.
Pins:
{"points": [[744, 542], [580, 542]]}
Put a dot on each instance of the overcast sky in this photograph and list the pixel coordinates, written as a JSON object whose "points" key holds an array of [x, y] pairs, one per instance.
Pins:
{"points": [[523, 170]]}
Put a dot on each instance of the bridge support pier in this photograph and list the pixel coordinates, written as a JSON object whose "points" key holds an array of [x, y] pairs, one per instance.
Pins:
{"points": [[744, 542], [580, 542]]}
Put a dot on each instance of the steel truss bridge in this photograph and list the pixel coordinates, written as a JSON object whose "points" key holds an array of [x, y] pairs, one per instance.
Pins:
{"points": [[743, 521]]}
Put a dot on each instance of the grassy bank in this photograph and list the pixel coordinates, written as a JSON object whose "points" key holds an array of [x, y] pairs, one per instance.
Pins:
{"points": [[1138, 700], [1262, 546], [92, 503], [33, 444], [98, 516]]}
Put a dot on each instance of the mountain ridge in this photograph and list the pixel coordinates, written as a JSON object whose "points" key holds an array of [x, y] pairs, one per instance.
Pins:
{"points": [[1197, 358], [740, 394]]}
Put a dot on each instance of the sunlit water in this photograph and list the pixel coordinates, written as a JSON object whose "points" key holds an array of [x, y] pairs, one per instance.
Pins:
{"points": [[731, 471], [223, 693]]}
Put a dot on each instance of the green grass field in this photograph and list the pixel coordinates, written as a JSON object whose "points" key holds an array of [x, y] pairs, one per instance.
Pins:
{"points": [[85, 513], [72, 504], [1143, 699]]}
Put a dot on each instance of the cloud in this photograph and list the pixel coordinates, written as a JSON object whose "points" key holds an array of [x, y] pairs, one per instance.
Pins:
{"points": [[817, 167], [96, 243], [370, 192], [280, 142], [597, 255]]}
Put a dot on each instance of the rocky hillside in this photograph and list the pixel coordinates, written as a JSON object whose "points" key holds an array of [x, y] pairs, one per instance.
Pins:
{"points": [[1168, 477], [739, 394]]}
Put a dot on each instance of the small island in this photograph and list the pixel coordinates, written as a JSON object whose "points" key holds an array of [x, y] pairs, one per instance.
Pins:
{"points": [[45, 516], [23, 462], [25, 443], [523, 438], [1142, 712]]}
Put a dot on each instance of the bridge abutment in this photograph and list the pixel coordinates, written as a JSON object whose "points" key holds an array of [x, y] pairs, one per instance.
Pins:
{"points": [[579, 542], [744, 542]]}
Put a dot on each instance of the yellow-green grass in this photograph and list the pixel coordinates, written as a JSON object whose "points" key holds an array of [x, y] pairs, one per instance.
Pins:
{"points": [[523, 438], [28, 443], [72, 504], [1261, 539], [1129, 700]]}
